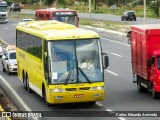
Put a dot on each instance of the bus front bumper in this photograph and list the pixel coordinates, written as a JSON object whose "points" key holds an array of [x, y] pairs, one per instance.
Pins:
{"points": [[74, 97]]}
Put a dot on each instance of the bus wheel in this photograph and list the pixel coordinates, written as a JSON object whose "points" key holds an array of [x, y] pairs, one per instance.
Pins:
{"points": [[28, 88], [45, 97], [155, 95], [24, 82]]}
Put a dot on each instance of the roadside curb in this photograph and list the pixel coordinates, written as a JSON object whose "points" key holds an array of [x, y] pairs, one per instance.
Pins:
{"points": [[105, 30], [3, 118]]}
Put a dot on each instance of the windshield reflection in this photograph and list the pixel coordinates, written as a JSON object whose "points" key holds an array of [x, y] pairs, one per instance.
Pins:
{"points": [[75, 61], [3, 8], [70, 19]]}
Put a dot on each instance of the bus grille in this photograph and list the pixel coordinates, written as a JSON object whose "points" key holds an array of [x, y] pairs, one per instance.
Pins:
{"points": [[70, 89], [84, 88]]}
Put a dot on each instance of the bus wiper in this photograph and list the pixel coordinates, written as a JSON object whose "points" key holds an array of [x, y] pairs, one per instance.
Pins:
{"points": [[69, 74], [84, 75]]}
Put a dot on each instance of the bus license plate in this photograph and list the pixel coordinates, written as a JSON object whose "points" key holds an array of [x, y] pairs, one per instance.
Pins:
{"points": [[78, 96]]}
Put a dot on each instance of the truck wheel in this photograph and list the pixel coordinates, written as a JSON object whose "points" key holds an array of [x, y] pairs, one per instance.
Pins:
{"points": [[141, 89], [155, 95]]}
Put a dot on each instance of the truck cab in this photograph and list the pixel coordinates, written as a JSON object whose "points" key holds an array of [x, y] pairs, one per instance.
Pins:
{"points": [[3, 12], [145, 58], [9, 62]]}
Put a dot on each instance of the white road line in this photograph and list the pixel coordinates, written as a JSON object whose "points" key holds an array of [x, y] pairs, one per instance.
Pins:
{"points": [[15, 94], [114, 54], [14, 24], [112, 72], [109, 110], [115, 41], [99, 104], [121, 118], [5, 28]]}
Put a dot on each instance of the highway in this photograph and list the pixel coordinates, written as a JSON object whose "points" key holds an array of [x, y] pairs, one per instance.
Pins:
{"points": [[108, 17], [121, 94]]}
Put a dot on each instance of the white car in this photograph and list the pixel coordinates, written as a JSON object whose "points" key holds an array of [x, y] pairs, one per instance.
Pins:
{"points": [[9, 61]]}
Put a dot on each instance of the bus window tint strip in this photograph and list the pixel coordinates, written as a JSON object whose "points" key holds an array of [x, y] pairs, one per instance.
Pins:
{"points": [[29, 43]]}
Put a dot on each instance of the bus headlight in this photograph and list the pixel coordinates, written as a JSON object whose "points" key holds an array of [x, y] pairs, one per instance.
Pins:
{"points": [[57, 90], [98, 88]]}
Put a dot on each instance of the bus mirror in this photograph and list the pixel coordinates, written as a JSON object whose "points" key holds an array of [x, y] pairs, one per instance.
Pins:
{"points": [[105, 61]]}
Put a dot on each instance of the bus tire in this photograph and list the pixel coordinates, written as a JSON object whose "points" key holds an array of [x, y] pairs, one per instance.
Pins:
{"points": [[24, 81], [45, 97], [28, 88]]}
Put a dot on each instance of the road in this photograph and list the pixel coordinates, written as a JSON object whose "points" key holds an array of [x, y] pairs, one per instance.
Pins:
{"points": [[107, 17], [121, 93]]}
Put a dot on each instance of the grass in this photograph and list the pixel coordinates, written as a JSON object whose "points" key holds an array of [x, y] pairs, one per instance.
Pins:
{"points": [[111, 25]]}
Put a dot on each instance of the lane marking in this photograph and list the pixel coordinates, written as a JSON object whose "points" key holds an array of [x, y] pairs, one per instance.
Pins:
{"points": [[15, 94], [112, 72], [110, 111], [5, 28], [115, 41], [14, 24], [99, 104], [114, 54], [121, 118]]}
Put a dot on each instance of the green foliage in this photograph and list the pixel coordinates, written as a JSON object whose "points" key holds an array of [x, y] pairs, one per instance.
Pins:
{"points": [[136, 2]]}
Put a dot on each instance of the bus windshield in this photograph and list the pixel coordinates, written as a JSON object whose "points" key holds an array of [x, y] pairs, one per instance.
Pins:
{"points": [[75, 61], [69, 18]]}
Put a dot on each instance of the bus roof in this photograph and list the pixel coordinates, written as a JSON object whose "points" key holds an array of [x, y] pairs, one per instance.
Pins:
{"points": [[54, 30], [56, 10]]}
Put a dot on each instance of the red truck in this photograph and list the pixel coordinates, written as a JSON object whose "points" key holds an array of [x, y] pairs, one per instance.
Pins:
{"points": [[145, 58]]}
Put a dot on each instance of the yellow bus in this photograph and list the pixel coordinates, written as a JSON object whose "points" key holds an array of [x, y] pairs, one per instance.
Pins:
{"points": [[60, 62]]}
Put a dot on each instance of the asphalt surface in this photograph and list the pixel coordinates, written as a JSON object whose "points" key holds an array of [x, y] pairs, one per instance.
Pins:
{"points": [[121, 94], [104, 17]]}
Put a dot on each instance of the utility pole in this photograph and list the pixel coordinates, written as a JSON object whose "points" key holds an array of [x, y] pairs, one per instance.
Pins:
{"points": [[95, 5], [89, 11], [144, 11], [40, 3], [157, 9]]}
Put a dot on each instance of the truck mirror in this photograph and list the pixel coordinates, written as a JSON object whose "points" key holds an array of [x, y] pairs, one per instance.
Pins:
{"points": [[149, 62], [105, 61]]}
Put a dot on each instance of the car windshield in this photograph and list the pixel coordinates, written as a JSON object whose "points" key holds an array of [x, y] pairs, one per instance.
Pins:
{"points": [[12, 55], [66, 17], [75, 61], [131, 13], [3, 8]]}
